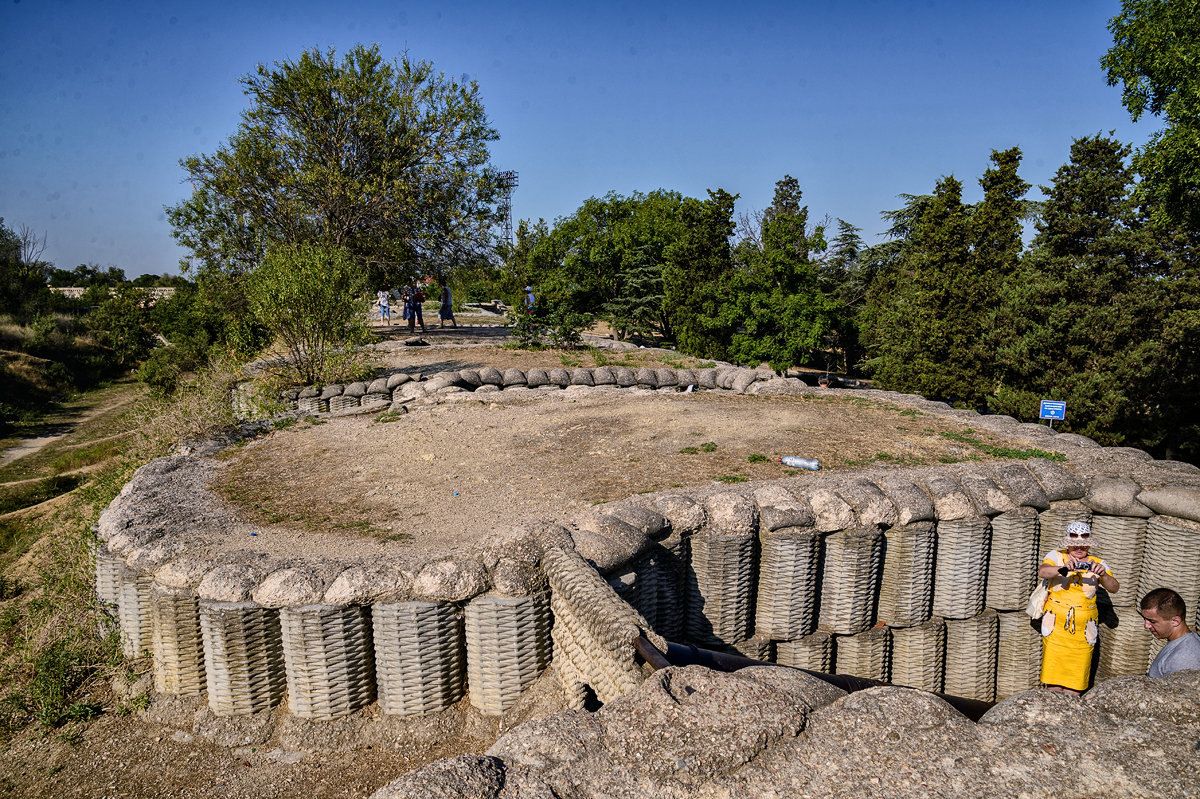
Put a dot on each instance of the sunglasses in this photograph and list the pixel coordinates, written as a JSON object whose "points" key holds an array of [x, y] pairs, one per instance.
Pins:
{"points": [[1084, 536]]}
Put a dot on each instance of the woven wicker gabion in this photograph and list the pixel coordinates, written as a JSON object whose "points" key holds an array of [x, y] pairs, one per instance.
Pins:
{"points": [[1018, 655], [971, 656], [135, 613], [850, 579], [1052, 526], [312, 405], [376, 396], [1013, 559], [178, 642], [673, 556], [646, 589], [108, 580], [962, 568], [508, 645], [418, 656], [329, 660], [918, 655], [243, 657], [1171, 559], [787, 585], [1121, 542], [1124, 647], [814, 652], [720, 587], [906, 588], [867, 654], [342, 403]]}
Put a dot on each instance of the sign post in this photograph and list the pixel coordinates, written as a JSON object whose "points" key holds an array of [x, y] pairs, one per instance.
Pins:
{"points": [[1053, 409]]}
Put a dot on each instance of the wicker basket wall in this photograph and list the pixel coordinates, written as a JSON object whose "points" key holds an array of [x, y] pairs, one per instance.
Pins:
{"points": [[1121, 542], [850, 581], [418, 656], [971, 646], [342, 403], [960, 579], [1013, 559], [108, 581], [329, 660], [312, 405], [243, 656], [1052, 526], [178, 642], [1171, 559], [813, 652], [646, 588], [508, 645], [787, 585], [1123, 649], [673, 556], [867, 654], [918, 655], [720, 588], [135, 612], [1018, 655], [906, 588], [376, 396]]}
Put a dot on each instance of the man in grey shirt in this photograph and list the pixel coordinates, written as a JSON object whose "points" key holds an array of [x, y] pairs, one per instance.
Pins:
{"points": [[1164, 612]]}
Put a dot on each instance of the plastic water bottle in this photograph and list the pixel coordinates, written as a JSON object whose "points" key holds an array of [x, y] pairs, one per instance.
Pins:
{"points": [[797, 462]]}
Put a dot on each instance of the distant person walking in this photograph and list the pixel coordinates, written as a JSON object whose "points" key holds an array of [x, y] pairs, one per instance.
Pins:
{"points": [[1164, 612], [446, 309], [416, 296], [385, 309], [530, 301]]}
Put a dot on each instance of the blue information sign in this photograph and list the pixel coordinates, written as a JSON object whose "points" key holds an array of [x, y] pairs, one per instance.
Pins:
{"points": [[1053, 409]]}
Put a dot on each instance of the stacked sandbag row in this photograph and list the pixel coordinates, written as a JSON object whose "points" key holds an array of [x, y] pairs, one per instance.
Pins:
{"points": [[339, 397]]}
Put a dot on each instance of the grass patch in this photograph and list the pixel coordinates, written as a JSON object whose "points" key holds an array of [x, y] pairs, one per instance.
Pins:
{"points": [[733, 478], [689, 451], [78, 457], [757, 458], [1010, 453], [911, 412], [29, 494], [390, 416], [708, 446]]}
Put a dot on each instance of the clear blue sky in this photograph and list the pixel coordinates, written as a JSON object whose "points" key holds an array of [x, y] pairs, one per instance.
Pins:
{"points": [[859, 100]]}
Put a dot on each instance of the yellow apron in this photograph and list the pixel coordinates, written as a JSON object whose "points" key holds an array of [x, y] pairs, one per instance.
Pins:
{"points": [[1066, 648]]}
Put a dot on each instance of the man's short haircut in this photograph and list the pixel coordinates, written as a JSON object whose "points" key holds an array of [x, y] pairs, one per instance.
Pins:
{"points": [[1168, 603]]}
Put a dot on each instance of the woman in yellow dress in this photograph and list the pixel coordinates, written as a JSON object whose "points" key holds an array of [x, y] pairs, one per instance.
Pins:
{"points": [[1069, 624]]}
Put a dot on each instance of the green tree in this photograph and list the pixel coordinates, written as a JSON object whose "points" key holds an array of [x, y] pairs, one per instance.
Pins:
{"points": [[698, 277], [1080, 314], [845, 275], [1156, 58], [387, 161], [22, 275], [783, 313], [123, 324], [313, 299]]}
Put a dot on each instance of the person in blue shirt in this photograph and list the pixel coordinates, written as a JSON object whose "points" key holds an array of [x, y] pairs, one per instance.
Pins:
{"points": [[1164, 613]]}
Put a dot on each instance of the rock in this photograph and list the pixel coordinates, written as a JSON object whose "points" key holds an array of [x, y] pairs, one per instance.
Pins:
{"points": [[666, 377], [464, 777], [603, 376], [1177, 501], [514, 377], [609, 542], [950, 502], [685, 377], [1115, 495], [871, 505], [185, 572], [150, 556], [491, 376], [470, 378], [1174, 699], [731, 513], [292, 587], [547, 743], [779, 508], [397, 380], [536, 377], [559, 377], [830, 512], [725, 376], [369, 582], [582, 377], [332, 391], [989, 498], [706, 378], [911, 501], [450, 581], [647, 378], [779, 387], [684, 513], [355, 390], [230, 582], [1057, 482], [650, 523], [626, 378], [514, 578], [1075, 440], [743, 380], [1021, 485]]}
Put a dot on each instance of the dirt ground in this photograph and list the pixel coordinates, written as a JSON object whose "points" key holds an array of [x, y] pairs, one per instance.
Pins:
{"points": [[441, 476]]}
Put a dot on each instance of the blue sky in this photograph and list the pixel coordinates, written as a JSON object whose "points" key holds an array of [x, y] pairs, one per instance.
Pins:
{"points": [[859, 100]]}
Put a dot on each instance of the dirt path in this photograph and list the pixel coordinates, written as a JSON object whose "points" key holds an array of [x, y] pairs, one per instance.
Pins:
{"points": [[56, 430]]}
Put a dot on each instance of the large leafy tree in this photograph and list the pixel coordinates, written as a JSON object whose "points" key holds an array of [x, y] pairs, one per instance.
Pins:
{"points": [[1081, 312], [1156, 58], [386, 161], [698, 277], [783, 313]]}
